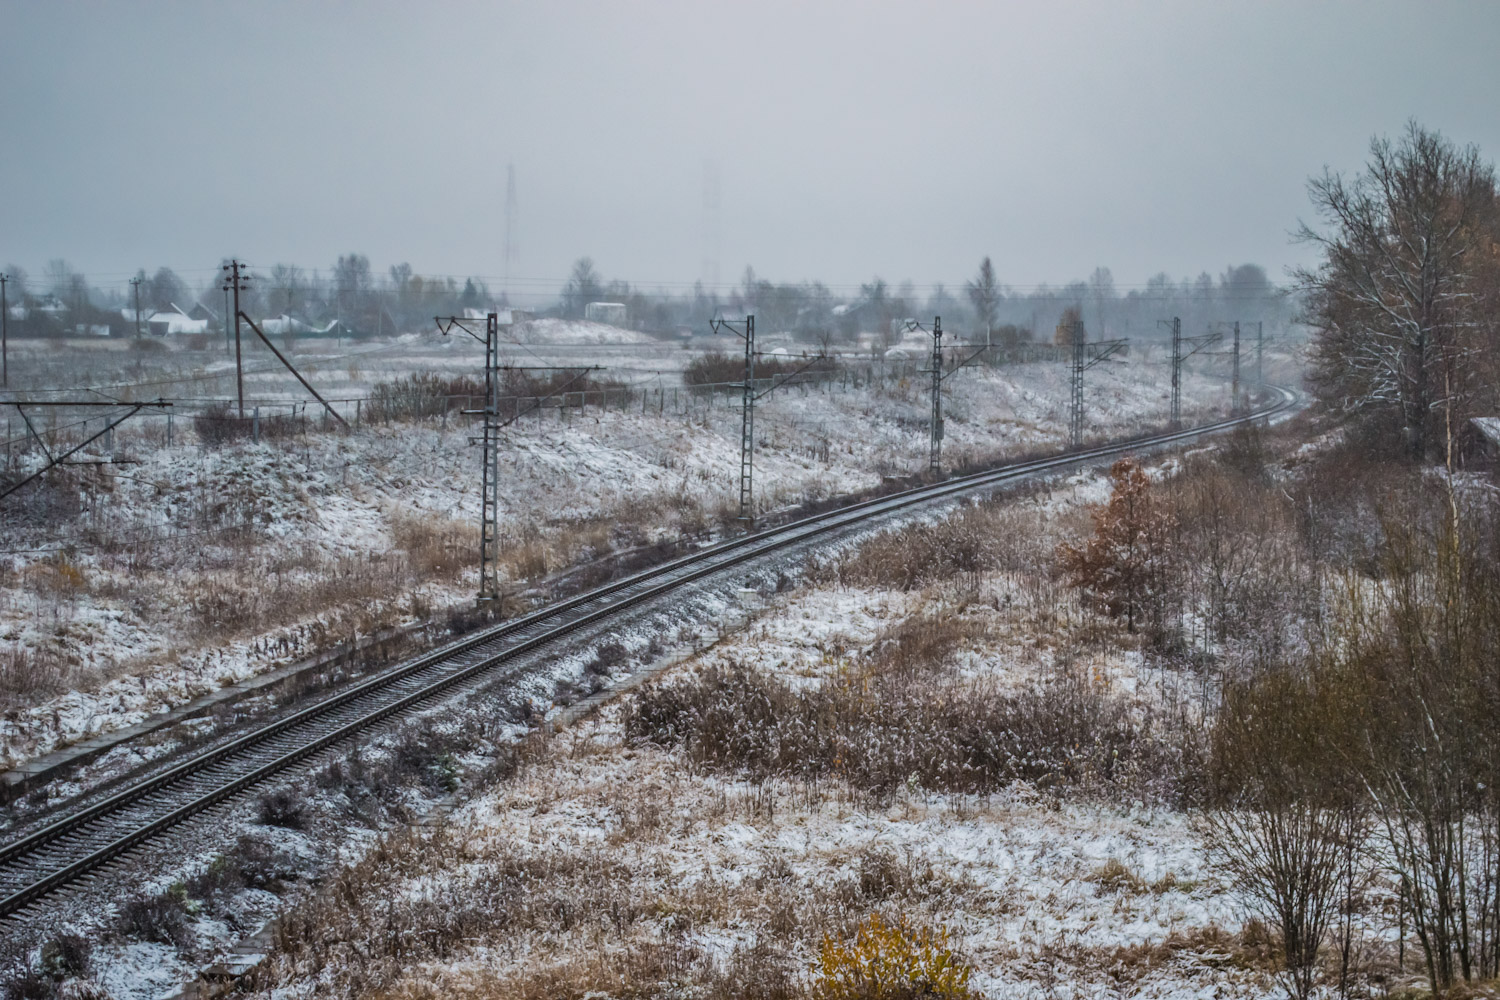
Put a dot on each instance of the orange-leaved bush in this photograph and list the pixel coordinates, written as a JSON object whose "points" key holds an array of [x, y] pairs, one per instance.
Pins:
{"points": [[889, 961], [1124, 568]]}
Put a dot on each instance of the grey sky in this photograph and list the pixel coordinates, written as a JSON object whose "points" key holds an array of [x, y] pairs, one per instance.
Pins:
{"points": [[853, 139]]}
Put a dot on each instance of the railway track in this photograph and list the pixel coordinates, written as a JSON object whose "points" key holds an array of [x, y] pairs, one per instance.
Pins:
{"points": [[73, 847]]}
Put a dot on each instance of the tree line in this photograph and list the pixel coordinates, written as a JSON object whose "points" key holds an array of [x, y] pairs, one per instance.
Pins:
{"points": [[402, 299]]}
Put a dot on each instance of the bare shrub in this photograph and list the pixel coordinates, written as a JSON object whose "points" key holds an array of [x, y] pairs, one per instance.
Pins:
{"points": [[606, 658], [434, 545], [717, 367], [901, 725], [30, 675], [66, 956], [1286, 824], [156, 917], [914, 556], [216, 426], [424, 394], [881, 875], [514, 890], [282, 807]]}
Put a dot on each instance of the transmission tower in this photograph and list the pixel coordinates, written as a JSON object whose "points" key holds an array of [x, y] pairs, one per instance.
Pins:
{"points": [[1102, 350], [1197, 344]]}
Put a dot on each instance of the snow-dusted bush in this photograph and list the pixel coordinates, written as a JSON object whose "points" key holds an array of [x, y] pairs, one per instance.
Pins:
{"points": [[903, 724]]}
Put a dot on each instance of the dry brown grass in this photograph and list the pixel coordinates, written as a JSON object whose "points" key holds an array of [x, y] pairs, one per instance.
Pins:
{"points": [[899, 717]]}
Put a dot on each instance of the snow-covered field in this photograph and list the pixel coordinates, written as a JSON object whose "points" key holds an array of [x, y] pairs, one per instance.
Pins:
{"points": [[618, 866], [135, 588]]}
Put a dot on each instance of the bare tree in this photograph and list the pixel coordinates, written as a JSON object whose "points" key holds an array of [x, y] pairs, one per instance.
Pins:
{"points": [[287, 286], [584, 286], [1286, 825], [984, 295], [164, 290], [1396, 292]]}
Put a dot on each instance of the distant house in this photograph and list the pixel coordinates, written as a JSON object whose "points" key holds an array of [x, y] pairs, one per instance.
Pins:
{"points": [[505, 317], [203, 312], [613, 313], [280, 326], [174, 321]]}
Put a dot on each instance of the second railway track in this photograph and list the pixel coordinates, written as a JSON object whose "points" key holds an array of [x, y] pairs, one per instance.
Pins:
{"points": [[75, 845]]}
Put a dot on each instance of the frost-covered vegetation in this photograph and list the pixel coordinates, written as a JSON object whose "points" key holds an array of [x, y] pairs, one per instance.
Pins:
{"points": [[992, 769], [128, 589]]}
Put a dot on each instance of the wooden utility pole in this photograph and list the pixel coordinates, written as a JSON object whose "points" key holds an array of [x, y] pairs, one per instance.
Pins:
{"points": [[136, 284], [234, 283]]}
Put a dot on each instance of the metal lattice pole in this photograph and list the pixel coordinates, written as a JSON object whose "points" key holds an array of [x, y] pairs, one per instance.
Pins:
{"points": [[1075, 387], [935, 456], [1176, 372], [1235, 387], [489, 497], [747, 428], [1260, 352]]}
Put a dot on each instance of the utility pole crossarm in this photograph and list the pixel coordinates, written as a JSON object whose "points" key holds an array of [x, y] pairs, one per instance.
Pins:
{"points": [[965, 362], [452, 322], [1106, 350]]}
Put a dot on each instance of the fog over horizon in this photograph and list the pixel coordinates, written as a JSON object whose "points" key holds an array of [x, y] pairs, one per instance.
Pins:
{"points": [[849, 140]]}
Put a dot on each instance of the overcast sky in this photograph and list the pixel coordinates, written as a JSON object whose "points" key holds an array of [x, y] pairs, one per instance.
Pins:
{"points": [[851, 138]]}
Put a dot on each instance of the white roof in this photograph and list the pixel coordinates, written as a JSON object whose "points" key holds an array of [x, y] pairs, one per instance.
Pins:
{"points": [[177, 322]]}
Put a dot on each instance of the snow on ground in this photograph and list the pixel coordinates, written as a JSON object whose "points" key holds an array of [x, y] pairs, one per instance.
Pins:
{"points": [[198, 567], [576, 331], [1022, 884], [1044, 895]]}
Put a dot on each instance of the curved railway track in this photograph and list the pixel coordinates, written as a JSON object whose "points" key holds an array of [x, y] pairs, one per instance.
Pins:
{"points": [[70, 848]]}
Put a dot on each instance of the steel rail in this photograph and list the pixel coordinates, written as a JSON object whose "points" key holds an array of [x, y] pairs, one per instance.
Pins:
{"points": [[610, 599]]}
